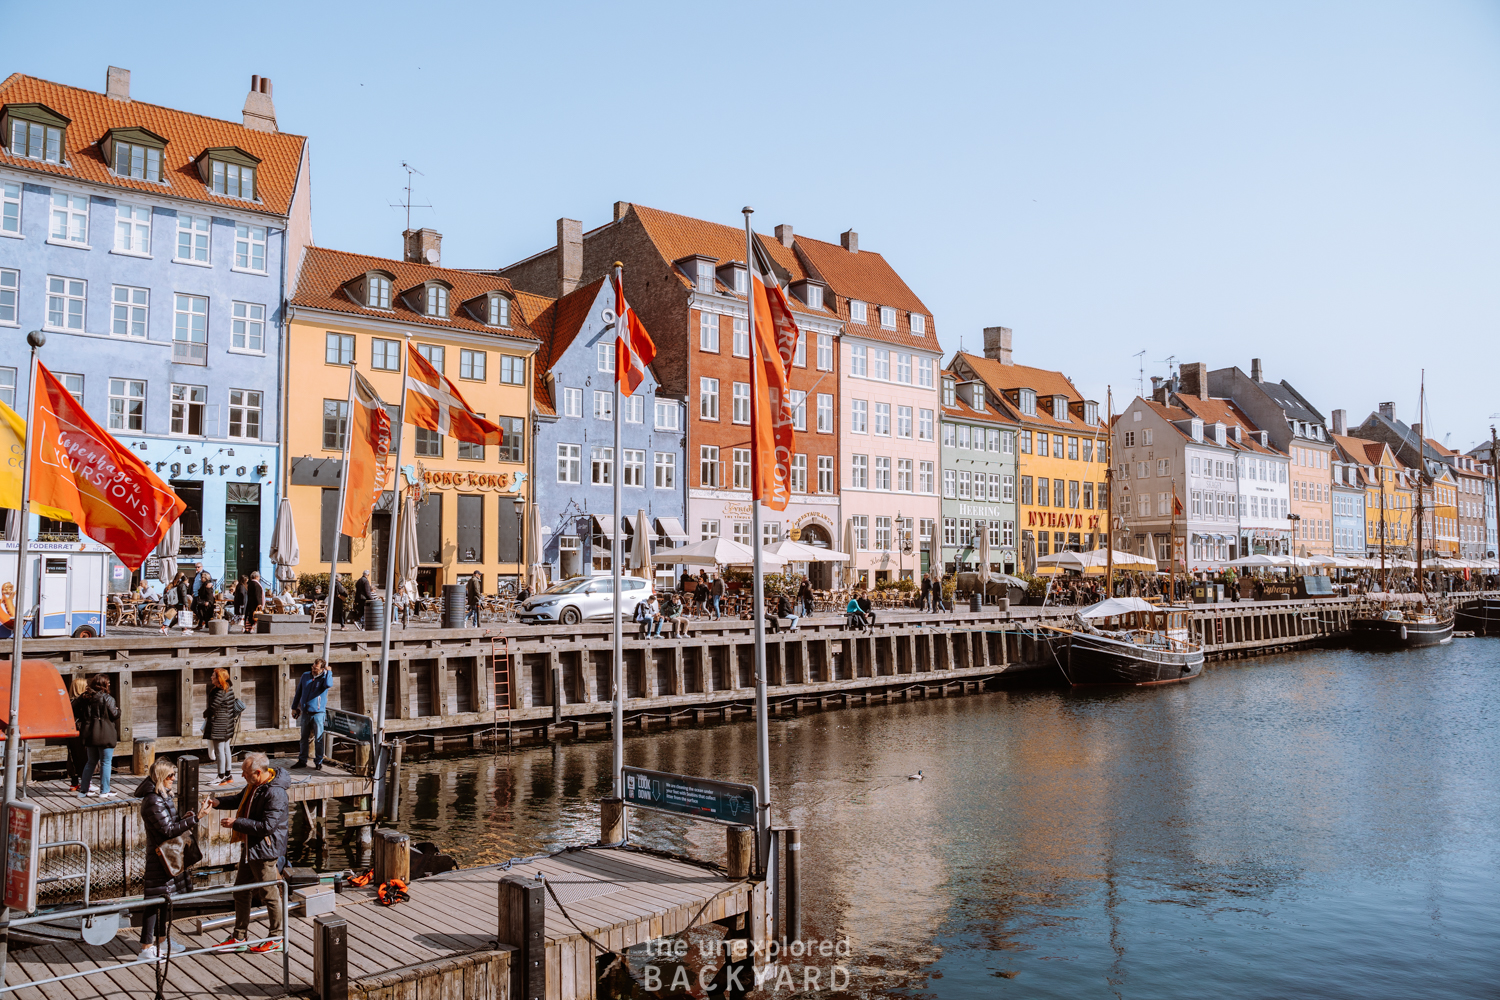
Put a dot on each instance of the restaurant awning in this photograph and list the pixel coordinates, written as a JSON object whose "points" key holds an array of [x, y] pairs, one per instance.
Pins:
{"points": [[605, 526], [670, 527]]}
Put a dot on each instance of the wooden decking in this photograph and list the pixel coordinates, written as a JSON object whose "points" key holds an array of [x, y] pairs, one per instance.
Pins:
{"points": [[620, 897]]}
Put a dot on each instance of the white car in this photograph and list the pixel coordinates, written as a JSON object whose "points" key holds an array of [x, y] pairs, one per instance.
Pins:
{"points": [[583, 598]]}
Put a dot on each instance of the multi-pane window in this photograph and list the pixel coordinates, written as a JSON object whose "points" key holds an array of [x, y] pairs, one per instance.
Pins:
{"points": [[132, 228], [950, 483], [378, 292], [247, 328], [134, 160], [859, 472], [1026, 490], [65, 302], [572, 402], [708, 398], [825, 473], [918, 324], [741, 408], [10, 207], [880, 364], [903, 368], [964, 481], [883, 419], [604, 356], [429, 443], [741, 337], [634, 467], [10, 286], [437, 300], [244, 413], [233, 179], [74, 385], [903, 421], [433, 354], [825, 413], [825, 352], [335, 423], [249, 247], [798, 399], [859, 416], [903, 475], [799, 354], [512, 439], [129, 311], [742, 532], [8, 387], [192, 237], [471, 365], [708, 465], [994, 491], [499, 310], [385, 355], [604, 405], [1008, 489], [708, 529], [70, 217], [667, 415], [569, 463], [924, 372], [338, 348], [888, 317], [127, 404], [926, 476], [799, 473], [857, 360], [470, 451], [860, 523], [634, 411], [512, 369], [856, 311], [950, 435], [924, 425], [963, 435], [742, 468], [950, 531], [708, 332], [188, 402], [882, 534], [666, 470], [35, 140]]}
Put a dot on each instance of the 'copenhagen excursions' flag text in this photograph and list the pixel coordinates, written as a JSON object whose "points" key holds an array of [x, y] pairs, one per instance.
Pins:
{"points": [[771, 437], [369, 454]]}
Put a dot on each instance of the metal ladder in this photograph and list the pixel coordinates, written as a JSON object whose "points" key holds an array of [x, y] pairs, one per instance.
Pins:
{"points": [[500, 659]]}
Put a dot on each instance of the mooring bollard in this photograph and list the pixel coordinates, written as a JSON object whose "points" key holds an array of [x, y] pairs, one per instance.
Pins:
{"points": [[392, 856], [142, 756], [522, 922], [611, 820], [740, 849], [330, 957]]}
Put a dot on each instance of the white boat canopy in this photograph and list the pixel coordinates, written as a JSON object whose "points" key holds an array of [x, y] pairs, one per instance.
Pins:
{"points": [[1112, 606]]}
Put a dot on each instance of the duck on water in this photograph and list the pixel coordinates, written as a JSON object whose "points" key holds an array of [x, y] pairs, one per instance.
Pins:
{"points": [[1127, 641]]}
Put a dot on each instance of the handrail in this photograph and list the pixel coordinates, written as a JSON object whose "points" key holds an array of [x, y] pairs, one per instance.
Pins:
{"points": [[121, 906], [88, 865]]}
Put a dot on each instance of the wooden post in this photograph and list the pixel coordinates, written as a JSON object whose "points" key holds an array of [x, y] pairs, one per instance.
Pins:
{"points": [[142, 756], [740, 846], [330, 957], [522, 920], [611, 820], [392, 856], [362, 758], [793, 838]]}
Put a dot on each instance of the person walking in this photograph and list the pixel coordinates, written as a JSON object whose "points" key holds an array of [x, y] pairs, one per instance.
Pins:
{"points": [[255, 599], [926, 592], [309, 708], [716, 597], [161, 822], [363, 591], [204, 604], [222, 715], [473, 593], [239, 597], [77, 688], [805, 598], [260, 827], [98, 719], [172, 602], [703, 592]]}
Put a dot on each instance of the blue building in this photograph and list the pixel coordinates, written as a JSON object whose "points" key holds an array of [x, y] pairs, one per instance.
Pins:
{"points": [[154, 247], [574, 442]]}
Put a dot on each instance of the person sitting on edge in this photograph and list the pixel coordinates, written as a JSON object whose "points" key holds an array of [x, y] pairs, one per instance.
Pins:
{"points": [[865, 606], [856, 616], [311, 704], [672, 612], [786, 609]]}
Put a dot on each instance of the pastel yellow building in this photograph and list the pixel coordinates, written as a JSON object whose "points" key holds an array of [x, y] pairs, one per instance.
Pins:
{"points": [[360, 310]]}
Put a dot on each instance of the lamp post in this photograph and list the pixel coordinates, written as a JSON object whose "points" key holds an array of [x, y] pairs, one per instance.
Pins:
{"points": [[519, 504]]}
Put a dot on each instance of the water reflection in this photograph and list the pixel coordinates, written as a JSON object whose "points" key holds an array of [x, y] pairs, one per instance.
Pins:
{"points": [[1318, 824]]}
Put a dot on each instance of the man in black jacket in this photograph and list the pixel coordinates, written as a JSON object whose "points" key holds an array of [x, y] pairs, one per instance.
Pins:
{"points": [[260, 825], [255, 599], [363, 591]]}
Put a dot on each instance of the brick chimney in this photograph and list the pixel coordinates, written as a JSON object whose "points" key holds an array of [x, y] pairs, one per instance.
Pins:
{"points": [[850, 241], [1255, 372], [1416, 429], [570, 255], [260, 113], [1388, 411], [1193, 379], [1340, 422], [422, 246], [1159, 387], [117, 84], [997, 344], [784, 235], [621, 207]]}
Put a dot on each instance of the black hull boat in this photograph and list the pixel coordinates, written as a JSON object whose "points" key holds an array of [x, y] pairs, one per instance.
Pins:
{"points": [[1099, 659], [1481, 616], [1402, 630]]}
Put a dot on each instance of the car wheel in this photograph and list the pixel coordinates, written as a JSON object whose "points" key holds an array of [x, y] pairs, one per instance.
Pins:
{"points": [[570, 616], [85, 632]]}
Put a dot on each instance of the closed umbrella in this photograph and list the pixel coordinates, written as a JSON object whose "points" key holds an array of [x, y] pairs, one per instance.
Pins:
{"points": [[849, 574], [1151, 549], [538, 568], [166, 551], [640, 548], [284, 553], [407, 553], [984, 554]]}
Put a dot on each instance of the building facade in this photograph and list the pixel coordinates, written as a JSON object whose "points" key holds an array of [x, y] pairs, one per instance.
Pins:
{"points": [[352, 309], [978, 477], [1350, 489], [1252, 486], [153, 247], [574, 439]]}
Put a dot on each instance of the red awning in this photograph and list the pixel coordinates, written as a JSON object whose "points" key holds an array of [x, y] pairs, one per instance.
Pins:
{"points": [[46, 709]]}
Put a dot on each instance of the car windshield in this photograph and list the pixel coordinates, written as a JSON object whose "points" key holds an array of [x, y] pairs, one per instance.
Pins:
{"points": [[568, 586]]}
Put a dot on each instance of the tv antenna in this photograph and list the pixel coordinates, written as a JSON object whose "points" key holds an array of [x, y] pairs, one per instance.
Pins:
{"points": [[407, 204], [1140, 357], [1168, 362]]}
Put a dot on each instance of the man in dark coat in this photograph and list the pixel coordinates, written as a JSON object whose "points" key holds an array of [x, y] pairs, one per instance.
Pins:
{"points": [[363, 591], [926, 592], [260, 825], [255, 599]]}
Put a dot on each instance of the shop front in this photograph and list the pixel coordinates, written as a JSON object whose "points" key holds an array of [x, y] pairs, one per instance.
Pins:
{"points": [[809, 520]]}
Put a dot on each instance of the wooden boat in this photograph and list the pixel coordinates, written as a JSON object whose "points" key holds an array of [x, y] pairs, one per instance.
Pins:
{"points": [[1397, 628], [1480, 616], [1126, 641]]}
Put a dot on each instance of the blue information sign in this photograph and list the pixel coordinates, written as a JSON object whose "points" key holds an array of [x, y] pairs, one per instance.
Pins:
{"points": [[726, 802], [360, 728]]}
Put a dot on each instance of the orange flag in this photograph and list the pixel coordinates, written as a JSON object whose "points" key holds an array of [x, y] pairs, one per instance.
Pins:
{"points": [[79, 466], [369, 453], [772, 440]]}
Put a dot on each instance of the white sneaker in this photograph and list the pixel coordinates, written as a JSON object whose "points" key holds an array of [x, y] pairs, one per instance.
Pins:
{"points": [[107, 795], [175, 947], [85, 795], [148, 954]]}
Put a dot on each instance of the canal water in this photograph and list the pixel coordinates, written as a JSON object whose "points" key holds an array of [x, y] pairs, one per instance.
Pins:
{"points": [[1319, 824]]}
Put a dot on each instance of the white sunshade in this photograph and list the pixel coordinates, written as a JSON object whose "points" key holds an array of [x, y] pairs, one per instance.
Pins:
{"points": [[791, 551], [1260, 559], [1095, 559], [671, 528], [723, 552], [605, 526], [1112, 606]]}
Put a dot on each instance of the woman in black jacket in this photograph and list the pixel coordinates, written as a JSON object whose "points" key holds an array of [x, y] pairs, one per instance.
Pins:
{"points": [[174, 597], [222, 717], [161, 822], [204, 603], [98, 720]]}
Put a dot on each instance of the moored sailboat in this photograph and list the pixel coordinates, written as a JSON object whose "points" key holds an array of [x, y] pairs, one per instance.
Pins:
{"points": [[1127, 641]]}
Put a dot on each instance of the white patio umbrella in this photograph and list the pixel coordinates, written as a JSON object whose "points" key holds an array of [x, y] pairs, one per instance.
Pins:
{"points": [[1259, 560], [984, 554], [791, 551], [640, 547], [166, 551], [538, 568], [723, 552], [849, 575], [408, 556], [284, 552]]}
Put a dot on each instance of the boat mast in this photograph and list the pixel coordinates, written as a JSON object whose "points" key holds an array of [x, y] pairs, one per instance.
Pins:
{"points": [[1421, 481], [1109, 491], [1382, 529], [1172, 549]]}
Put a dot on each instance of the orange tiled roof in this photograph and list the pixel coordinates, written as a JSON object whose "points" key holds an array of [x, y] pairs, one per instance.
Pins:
{"points": [[1226, 412], [320, 285], [539, 311], [868, 277], [188, 135], [1001, 377]]}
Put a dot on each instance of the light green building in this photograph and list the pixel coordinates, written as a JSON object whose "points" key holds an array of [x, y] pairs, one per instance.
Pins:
{"points": [[978, 488]]}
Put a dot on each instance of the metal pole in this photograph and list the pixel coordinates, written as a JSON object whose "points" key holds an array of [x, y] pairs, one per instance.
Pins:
{"points": [[338, 525], [618, 708], [758, 591], [377, 802]]}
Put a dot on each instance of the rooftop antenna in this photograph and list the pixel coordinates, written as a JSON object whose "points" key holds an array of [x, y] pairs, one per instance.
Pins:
{"points": [[407, 203], [1140, 357], [1168, 362]]}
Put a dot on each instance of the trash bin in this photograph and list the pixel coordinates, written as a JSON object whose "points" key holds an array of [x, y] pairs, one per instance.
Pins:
{"points": [[374, 614], [975, 600], [453, 605]]}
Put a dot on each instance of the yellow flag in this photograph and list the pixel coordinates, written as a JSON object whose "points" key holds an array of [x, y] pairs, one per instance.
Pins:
{"points": [[13, 447]]}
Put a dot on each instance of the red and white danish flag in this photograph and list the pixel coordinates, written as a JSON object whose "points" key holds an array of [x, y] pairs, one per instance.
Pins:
{"points": [[634, 349], [435, 403]]}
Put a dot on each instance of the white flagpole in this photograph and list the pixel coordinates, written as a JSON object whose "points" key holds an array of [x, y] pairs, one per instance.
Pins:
{"points": [[18, 622], [397, 509], [338, 526], [758, 587], [618, 713]]}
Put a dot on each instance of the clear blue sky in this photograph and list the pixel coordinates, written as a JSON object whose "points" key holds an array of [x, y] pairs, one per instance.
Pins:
{"points": [[1314, 184]]}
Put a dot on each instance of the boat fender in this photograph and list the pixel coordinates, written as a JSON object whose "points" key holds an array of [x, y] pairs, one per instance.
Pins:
{"points": [[1403, 633]]}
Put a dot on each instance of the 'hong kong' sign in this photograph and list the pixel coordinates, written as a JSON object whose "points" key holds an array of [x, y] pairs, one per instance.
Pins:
{"points": [[467, 480]]}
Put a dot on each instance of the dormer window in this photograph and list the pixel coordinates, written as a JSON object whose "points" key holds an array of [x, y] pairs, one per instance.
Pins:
{"points": [[1197, 429], [888, 317], [134, 152], [1238, 439], [735, 276], [435, 301], [379, 293], [35, 131], [1218, 434], [810, 292], [1091, 413], [976, 396], [856, 311], [918, 324], [1060, 408], [948, 393], [499, 310], [229, 171], [1027, 402]]}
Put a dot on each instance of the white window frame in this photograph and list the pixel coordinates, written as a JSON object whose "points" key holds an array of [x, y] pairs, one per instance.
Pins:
{"points": [[708, 332], [708, 399], [740, 469], [668, 415], [195, 236], [858, 313], [70, 219], [918, 324], [601, 466], [925, 368], [665, 465], [825, 474], [861, 525], [572, 400], [741, 344], [245, 413], [10, 208], [127, 404], [184, 399], [10, 292], [859, 472], [604, 356], [133, 229], [882, 422], [887, 317], [903, 368], [634, 410], [880, 364], [67, 301], [799, 353], [604, 405], [247, 327], [129, 311], [710, 471], [249, 248], [926, 478], [904, 475], [903, 422], [857, 366], [798, 399], [825, 413], [924, 425], [825, 352], [633, 467], [569, 463], [950, 484], [740, 403], [799, 474]]}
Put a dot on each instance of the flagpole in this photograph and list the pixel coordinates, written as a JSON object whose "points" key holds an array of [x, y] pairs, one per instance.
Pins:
{"points": [[618, 709], [338, 526], [18, 622], [397, 509], [758, 593]]}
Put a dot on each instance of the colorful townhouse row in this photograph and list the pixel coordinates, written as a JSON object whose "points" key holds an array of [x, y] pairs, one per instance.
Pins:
{"points": [[169, 258]]}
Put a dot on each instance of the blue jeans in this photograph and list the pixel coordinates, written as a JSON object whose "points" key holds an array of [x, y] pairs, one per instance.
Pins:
{"points": [[312, 728], [472, 613], [102, 758], [716, 607]]}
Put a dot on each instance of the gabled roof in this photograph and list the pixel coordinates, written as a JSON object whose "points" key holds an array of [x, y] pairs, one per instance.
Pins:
{"points": [[1293, 402], [1224, 411], [557, 323], [538, 312], [961, 410], [93, 114], [321, 285], [1002, 378], [867, 277]]}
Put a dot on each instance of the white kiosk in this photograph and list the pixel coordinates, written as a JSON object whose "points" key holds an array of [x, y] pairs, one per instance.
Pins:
{"points": [[69, 582]]}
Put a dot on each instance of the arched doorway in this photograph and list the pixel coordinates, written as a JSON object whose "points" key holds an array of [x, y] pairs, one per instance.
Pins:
{"points": [[819, 574]]}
